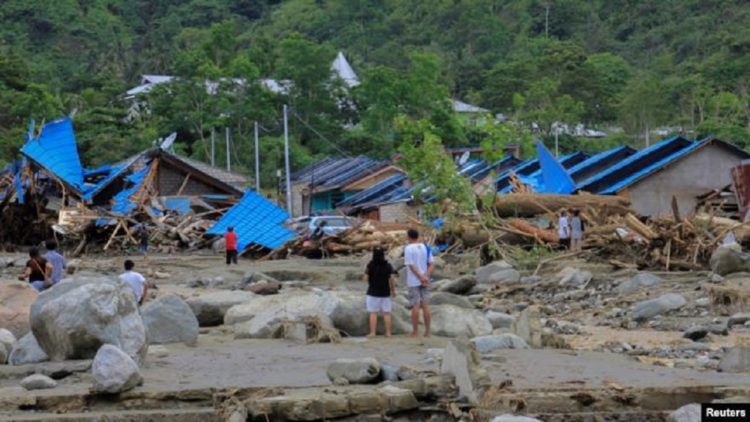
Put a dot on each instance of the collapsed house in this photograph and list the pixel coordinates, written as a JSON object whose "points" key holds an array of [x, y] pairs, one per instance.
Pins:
{"points": [[179, 201]]}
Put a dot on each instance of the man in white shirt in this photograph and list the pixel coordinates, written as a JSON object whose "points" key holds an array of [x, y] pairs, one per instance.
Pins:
{"points": [[419, 267], [135, 280]]}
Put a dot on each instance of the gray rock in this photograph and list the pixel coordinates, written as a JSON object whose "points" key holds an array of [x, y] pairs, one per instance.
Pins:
{"points": [[703, 302], [528, 326], [531, 279], [718, 329], [74, 318], [356, 371], [459, 286], [348, 314], [210, 308], [169, 319], [389, 372], [497, 272], [114, 371], [488, 344], [695, 333], [265, 287], [726, 260], [736, 359], [27, 350], [639, 280], [452, 321], [38, 382], [254, 276], [514, 418], [648, 309], [687, 413], [462, 360], [7, 341], [500, 320], [407, 373], [715, 278], [738, 319], [444, 298], [573, 277]]}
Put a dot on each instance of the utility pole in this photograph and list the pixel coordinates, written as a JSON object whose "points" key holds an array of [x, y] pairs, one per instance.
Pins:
{"points": [[286, 163], [557, 143], [229, 159], [213, 147], [257, 160]]}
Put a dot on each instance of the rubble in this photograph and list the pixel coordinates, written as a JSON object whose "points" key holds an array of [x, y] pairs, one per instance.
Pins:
{"points": [[354, 371], [736, 359]]}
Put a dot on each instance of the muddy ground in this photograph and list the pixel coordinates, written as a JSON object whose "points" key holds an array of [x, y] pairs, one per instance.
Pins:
{"points": [[605, 358]]}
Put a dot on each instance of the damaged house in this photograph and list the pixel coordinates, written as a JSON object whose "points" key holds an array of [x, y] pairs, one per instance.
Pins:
{"points": [[176, 199]]}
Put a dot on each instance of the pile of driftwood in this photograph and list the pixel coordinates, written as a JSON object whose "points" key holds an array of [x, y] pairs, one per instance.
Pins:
{"points": [[361, 238]]}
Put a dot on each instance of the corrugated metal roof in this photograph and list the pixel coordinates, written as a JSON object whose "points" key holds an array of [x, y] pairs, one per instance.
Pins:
{"points": [[330, 173], [599, 162], [56, 151], [122, 203], [374, 192], [256, 221], [634, 164], [235, 180]]}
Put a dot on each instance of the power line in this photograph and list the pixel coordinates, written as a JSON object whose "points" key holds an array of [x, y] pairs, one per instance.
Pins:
{"points": [[307, 125]]}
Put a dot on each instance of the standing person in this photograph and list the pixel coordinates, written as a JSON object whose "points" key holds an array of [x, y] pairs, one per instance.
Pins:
{"points": [[419, 267], [381, 287], [58, 261], [143, 240], [564, 229], [135, 280], [576, 230], [38, 271], [231, 245]]}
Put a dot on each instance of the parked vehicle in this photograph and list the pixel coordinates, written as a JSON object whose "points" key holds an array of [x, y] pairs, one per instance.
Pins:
{"points": [[332, 224]]}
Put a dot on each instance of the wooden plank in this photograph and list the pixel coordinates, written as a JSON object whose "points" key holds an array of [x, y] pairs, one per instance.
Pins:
{"points": [[184, 183], [114, 233]]}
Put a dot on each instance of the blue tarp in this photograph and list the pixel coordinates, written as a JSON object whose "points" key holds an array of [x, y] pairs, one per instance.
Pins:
{"points": [[256, 221], [55, 149], [555, 179]]}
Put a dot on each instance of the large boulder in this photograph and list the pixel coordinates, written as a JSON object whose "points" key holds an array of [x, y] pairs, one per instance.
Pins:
{"points": [[726, 260], [73, 319], [15, 304], [514, 418], [459, 286], [27, 350], [488, 344], [500, 320], [169, 319], [639, 280], [497, 272], [114, 371], [648, 309], [443, 298], [452, 321], [348, 313], [210, 308], [354, 371]]}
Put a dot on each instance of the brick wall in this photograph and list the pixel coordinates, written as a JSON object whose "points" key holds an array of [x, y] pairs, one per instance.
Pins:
{"points": [[399, 212]]}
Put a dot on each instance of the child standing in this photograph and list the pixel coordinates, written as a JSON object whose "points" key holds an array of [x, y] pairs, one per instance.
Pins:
{"points": [[381, 287]]}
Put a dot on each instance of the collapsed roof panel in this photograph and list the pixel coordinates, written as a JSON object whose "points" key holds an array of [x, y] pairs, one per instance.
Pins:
{"points": [[56, 151], [600, 162], [123, 204], [256, 221]]}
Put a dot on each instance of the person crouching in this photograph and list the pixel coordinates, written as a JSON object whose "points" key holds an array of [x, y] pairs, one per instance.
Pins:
{"points": [[381, 287]]}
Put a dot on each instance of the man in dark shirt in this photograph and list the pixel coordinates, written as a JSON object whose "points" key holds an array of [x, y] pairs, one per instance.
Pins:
{"points": [[38, 271]]}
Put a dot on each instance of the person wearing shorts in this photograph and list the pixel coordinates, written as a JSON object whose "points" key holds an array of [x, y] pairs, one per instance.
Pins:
{"points": [[381, 287], [419, 267]]}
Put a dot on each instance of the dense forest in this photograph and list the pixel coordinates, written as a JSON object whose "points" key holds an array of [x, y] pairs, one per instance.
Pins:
{"points": [[629, 64]]}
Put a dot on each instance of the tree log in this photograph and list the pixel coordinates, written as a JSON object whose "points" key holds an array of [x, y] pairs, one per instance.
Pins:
{"points": [[532, 204]]}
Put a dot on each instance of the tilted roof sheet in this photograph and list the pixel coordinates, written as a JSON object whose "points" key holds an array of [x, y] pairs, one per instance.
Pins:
{"points": [[601, 160], [256, 221], [331, 173], [56, 151]]}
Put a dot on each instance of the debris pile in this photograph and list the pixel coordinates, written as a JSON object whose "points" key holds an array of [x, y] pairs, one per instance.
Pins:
{"points": [[360, 238]]}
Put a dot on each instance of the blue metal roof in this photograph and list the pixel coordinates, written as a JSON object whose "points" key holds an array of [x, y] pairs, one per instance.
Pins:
{"points": [[122, 203], [181, 204], [599, 160], [635, 166], [553, 175], [55, 149], [374, 192], [256, 221]]}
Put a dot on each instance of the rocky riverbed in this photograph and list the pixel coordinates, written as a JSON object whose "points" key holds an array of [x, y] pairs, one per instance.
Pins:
{"points": [[566, 342]]}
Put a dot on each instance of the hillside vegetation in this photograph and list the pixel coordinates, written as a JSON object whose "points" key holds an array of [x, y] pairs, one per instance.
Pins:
{"points": [[623, 63]]}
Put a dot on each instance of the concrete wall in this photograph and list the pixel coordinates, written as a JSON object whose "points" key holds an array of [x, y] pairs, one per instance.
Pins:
{"points": [[298, 200], [398, 212], [704, 170]]}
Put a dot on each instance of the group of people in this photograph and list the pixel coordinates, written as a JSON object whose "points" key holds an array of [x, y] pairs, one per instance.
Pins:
{"points": [[571, 229], [381, 278], [44, 271]]}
